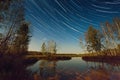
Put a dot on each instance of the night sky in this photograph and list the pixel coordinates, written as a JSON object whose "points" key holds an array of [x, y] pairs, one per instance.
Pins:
{"points": [[65, 21]]}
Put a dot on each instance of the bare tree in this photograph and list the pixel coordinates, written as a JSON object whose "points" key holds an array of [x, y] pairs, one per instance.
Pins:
{"points": [[43, 48], [111, 33], [52, 47]]}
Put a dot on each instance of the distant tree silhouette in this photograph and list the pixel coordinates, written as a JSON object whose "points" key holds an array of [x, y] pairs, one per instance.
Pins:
{"points": [[52, 47], [43, 48]]}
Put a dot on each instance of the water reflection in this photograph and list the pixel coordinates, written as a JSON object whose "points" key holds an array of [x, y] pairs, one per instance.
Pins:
{"points": [[75, 69], [47, 69], [102, 71], [109, 65], [44, 70]]}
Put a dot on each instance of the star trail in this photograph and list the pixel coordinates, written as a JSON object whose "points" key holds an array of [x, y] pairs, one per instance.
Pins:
{"points": [[65, 21]]}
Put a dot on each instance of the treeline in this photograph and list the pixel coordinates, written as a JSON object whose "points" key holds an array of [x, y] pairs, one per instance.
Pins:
{"points": [[105, 41], [15, 31]]}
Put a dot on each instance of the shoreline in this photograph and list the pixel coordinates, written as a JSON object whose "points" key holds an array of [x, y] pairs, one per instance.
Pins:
{"points": [[102, 58]]}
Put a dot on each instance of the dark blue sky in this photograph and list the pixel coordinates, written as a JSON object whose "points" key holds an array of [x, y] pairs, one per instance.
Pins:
{"points": [[65, 21]]}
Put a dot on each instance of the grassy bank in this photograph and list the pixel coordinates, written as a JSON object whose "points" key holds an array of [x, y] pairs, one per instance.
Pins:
{"points": [[47, 57], [102, 58]]}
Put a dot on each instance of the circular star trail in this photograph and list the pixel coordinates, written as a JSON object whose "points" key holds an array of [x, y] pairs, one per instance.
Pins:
{"points": [[65, 21]]}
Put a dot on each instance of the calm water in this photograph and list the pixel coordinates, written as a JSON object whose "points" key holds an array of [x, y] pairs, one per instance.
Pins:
{"points": [[74, 69]]}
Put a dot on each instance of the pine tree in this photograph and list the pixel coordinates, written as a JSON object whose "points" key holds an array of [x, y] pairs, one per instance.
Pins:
{"points": [[22, 39]]}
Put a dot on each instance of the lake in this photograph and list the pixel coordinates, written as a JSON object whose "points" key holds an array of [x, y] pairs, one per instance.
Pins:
{"points": [[74, 69]]}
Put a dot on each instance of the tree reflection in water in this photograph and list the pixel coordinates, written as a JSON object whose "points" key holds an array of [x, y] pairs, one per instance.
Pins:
{"points": [[102, 71], [50, 70], [47, 71]]}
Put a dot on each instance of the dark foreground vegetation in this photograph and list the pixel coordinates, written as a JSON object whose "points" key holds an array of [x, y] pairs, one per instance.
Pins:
{"points": [[13, 68], [14, 40]]}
